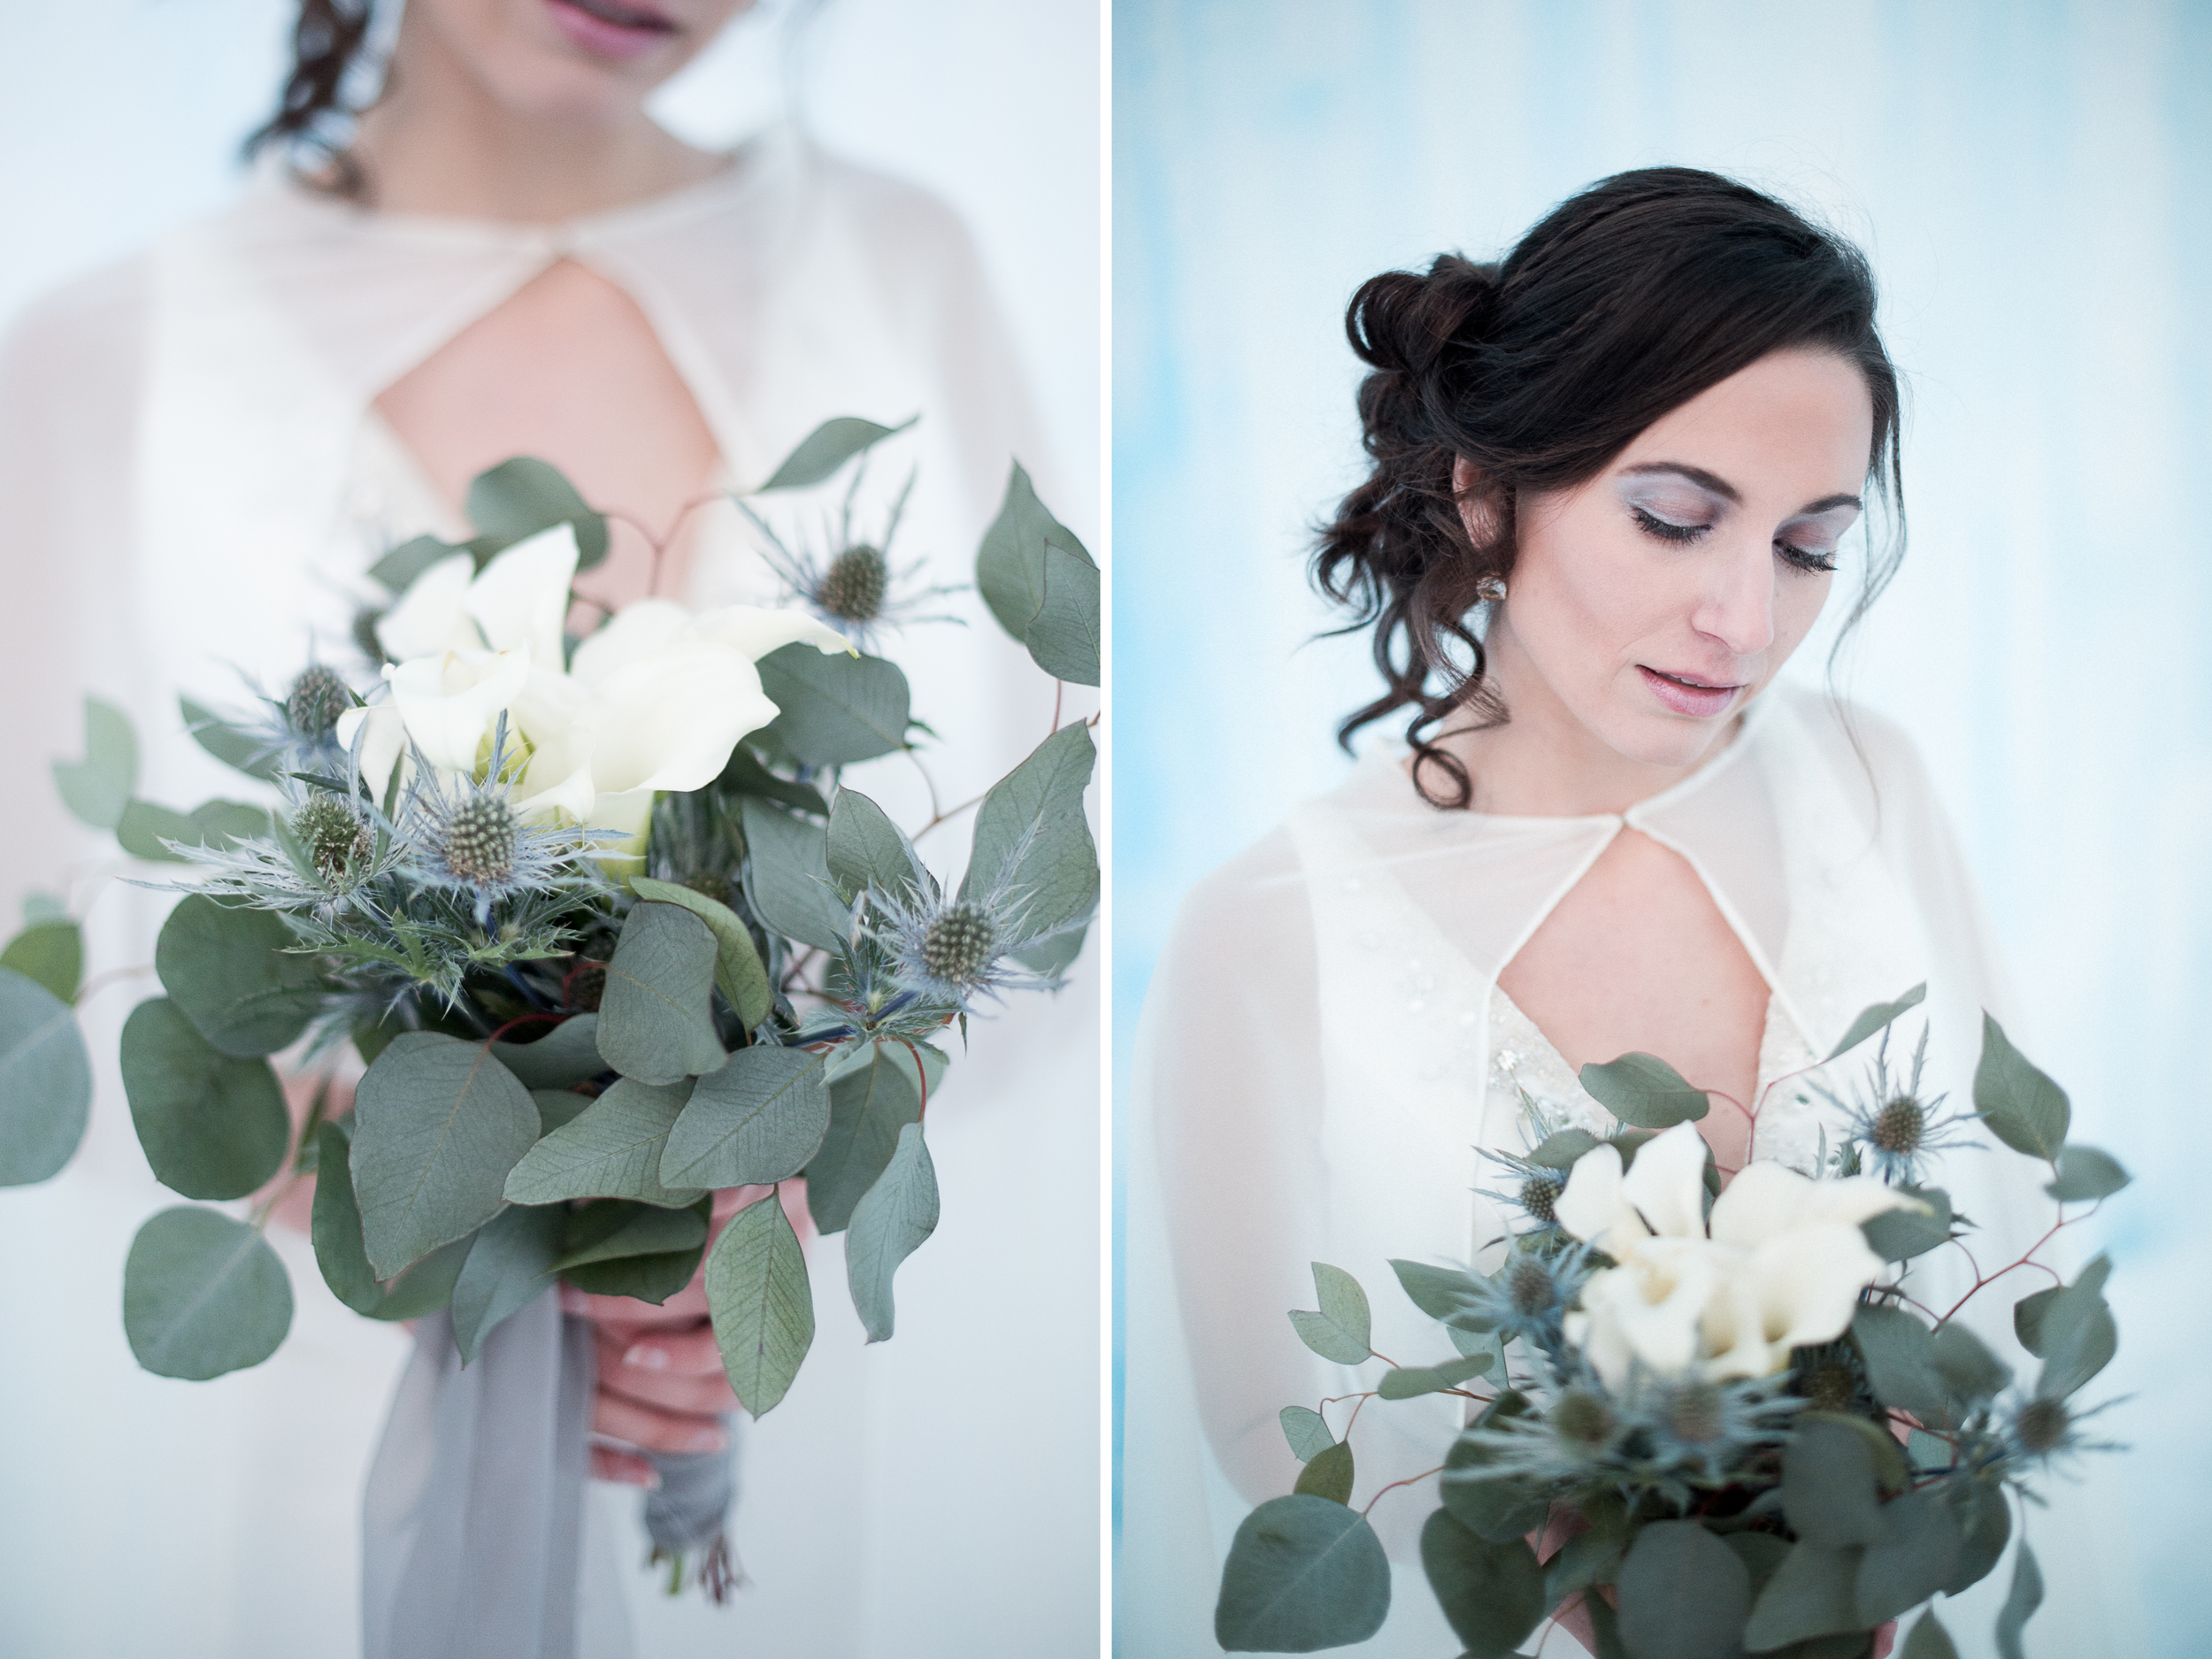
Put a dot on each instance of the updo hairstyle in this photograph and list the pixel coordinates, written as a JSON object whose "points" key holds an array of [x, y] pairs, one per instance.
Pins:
{"points": [[1627, 302], [314, 115]]}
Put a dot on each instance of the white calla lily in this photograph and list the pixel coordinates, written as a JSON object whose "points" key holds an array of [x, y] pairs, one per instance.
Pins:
{"points": [[520, 600], [451, 702], [1782, 1266], [432, 616]]}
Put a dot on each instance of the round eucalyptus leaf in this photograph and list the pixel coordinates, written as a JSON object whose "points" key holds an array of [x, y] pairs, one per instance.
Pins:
{"points": [[202, 1294], [233, 973], [657, 1018], [1304, 1574], [1031, 838], [50, 952], [1491, 1593], [1684, 1594], [45, 1081], [836, 710], [212, 1126]]}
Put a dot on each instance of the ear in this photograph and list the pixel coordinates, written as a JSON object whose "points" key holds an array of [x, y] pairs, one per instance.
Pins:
{"points": [[1478, 503]]}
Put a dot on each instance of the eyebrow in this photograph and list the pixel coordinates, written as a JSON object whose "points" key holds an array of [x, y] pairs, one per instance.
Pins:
{"points": [[1727, 491]]}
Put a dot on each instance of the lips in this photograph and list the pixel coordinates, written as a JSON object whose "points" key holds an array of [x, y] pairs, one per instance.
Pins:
{"points": [[1687, 694], [610, 29]]}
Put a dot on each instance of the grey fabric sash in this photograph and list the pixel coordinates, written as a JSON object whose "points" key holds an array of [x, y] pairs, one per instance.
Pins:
{"points": [[473, 1523]]}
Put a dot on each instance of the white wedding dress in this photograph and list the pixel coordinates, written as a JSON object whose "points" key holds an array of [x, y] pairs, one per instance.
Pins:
{"points": [[1324, 1048], [192, 481]]}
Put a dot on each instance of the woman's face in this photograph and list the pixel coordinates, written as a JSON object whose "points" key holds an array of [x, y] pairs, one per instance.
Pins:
{"points": [[1653, 601], [590, 60]]}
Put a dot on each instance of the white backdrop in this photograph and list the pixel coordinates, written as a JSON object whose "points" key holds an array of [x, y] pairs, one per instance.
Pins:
{"points": [[119, 118], [2030, 182]]}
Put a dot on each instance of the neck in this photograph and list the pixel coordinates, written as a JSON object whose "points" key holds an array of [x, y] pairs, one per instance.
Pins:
{"points": [[1544, 761], [441, 143]]}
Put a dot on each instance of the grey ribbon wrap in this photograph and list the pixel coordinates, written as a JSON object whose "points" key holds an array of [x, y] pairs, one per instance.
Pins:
{"points": [[474, 1519]]}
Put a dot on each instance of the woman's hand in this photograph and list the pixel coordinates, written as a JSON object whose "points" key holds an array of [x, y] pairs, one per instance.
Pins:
{"points": [[662, 1387]]}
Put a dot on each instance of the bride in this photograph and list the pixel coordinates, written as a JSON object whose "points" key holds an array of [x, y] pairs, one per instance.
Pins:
{"points": [[201, 453], [1612, 478]]}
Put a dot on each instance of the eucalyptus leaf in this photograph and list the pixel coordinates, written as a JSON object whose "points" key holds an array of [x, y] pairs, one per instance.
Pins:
{"points": [[1928, 1640], [867, 851], [98, 787], [1813, 1593], [233, 973], [1031, 844], [656, 1017], [1644, 1090], [746, 775], [1340, 1329], [1329, 1473], [1496, 1507], [1011, 565], [1064, 637], [787, 878], [1984, 1527], [564, 1056], [2021, 1602], [1829, 1488], [2077, 1337], [614, 1228], [1404, 1382], [440, 1124], [428, 1285], [1302, 1574], [2029, 1311], [1491, 1593], [50, 953], [1055, 954], [336, 1225], [888, 1225], [739, 973], [1898, 1235], [1590, 1557], [45, 1081], [1560, 1149], [522, 496], [237, 749], [828, 447], [144, 826], [653, 1278], [212, 1126], [1875, 1018], [1684, 1593], [761, 1306], [2023, 1107], [1899, 1355], [1969, 1369], [836, 709], [867, 1108], [610, 1149], [759, 1119], [1761, 1555], [1915, 1556], [2083, 1173], [558, 1108], [202, 1294], [1307, 1431], [1439, 1292]]}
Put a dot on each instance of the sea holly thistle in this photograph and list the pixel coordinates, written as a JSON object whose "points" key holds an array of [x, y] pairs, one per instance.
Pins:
{"points": [[467, 838], [1894, 1124], [848, 580]]}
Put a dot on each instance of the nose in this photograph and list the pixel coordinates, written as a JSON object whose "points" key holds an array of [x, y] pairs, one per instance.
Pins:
{"points": [[1735, 601]]}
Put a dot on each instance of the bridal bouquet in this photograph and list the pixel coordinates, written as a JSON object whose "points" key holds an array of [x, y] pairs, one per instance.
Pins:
{"points": [[600, 917], [1728, 1402]]}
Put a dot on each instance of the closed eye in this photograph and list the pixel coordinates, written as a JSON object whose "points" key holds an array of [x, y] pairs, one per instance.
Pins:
{"points": [[1666, 529]]}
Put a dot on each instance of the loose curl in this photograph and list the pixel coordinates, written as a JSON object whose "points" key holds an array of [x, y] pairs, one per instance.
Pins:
{"points": [[328, 43], [1627, 301]]}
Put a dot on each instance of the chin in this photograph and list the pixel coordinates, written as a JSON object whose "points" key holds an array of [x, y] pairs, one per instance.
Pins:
{"points": [[1669, 740]]}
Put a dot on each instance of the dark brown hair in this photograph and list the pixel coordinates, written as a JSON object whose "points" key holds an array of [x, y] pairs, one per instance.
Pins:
{"points": [[1628, 300], [312, 110]]}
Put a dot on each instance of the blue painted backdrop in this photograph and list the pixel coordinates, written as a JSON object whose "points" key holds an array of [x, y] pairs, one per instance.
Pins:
{"points": [[2030, 182]]}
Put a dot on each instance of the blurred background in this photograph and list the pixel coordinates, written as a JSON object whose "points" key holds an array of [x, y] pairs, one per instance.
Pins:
{"points": [[121, 119], [2033, 185]]}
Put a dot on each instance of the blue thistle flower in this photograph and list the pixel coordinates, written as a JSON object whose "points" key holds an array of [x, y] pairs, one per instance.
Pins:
{"points": [[1893, 1127], [470, 839], [852, 585]]}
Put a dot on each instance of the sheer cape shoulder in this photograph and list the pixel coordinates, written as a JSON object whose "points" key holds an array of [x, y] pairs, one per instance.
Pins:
{"points": [[1310, 1085]]}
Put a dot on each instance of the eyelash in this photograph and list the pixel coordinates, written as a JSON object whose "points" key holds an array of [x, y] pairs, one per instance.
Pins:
{"points": [[1653, 526]]}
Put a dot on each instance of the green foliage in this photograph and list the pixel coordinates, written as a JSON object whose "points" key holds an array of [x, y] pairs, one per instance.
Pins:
{"points": [[564, 1056], [745, 775], [888, 1225], [50, 953], [1813, 1593], [828, 447], [1031, 564], [2021, 1602], [520, 498], [788, 877], [1829, 1489], [610, 1149], [509, 1265], [1877, 1017], [1969, 1369], [427, 1286], [144, 826], [1031, 838], [2029, 1311], [98, 787], [866, 849], [1561, 1148], [1303, 1573], [1901, 1365], [558, 1108], [1493, 1506], [2075, 1334], [1915, 1555], [758, 1118], [2023, 1107], [233, 975], [762, 1305], [1684, 1594], [45, 1080], [656, 1017], [1064, 637], [1329, 1473], [838, 709], [1898, 1235], [1928, 1640], [1307, 1431], [739, 973], [202, 1294], [612, 1229], [1340, 1329], [869, 1105], [441, 1124], [2086, 1173], [212, 1126], [234, 749], [1984, 1527], [1644, 1090], [1403, 1382], [1439, 1292]]}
